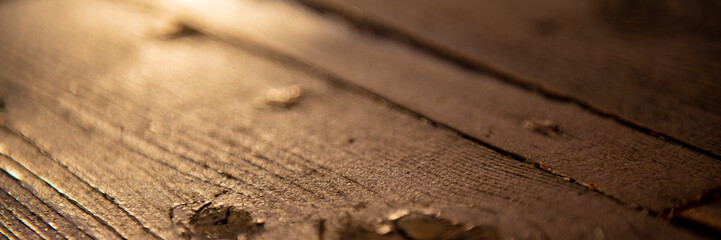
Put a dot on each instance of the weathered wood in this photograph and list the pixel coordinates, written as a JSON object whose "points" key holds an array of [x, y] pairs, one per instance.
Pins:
{"points": [[67, 207], [15, 227], [601, 153], [654, 64], [129, 125], [17, 193], [27, 218]]}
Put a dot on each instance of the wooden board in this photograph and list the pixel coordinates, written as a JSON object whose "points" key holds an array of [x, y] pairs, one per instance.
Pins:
{"points": [[653, 65], [131, 127], [600, 153]]}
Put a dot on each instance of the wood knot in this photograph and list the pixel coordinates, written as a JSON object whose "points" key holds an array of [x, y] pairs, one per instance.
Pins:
{"points": [[422, 226], [456, 222], [202, 220], [545, 127], [175, 29], [279, 97]]}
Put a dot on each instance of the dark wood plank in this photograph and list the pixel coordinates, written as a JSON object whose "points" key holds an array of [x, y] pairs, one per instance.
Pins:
{"points": [[129, 125], [653, 64], [600, 153]]}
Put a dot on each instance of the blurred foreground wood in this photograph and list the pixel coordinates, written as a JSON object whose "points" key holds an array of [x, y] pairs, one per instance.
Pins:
{"points": [[271, 120]]}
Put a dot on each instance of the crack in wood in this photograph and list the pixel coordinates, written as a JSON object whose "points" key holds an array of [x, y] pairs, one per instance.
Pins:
{"points": [[66, 197], [39, 205], [16, 225], [43, 152], [27, 217]]}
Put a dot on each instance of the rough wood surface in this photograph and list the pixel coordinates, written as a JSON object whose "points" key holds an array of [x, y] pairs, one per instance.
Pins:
{"points": [[17, 197], [69, 208], [559, 137], [107, 119], [654, 64]]}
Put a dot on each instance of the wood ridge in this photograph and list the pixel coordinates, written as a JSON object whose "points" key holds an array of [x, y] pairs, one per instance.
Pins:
{"points": [[55, 161], [63, 195]]}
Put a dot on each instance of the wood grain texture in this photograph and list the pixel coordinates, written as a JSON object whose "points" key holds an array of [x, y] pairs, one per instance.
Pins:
{"points": [[65, 206], [15, 227], [600, 153], [28, 218], [654, 64], [16, 193], [127, 125]]}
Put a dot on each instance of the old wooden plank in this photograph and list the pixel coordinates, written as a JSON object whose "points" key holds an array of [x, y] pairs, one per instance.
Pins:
{"points": [[652, 64], [558, 136], [145, 124]]}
